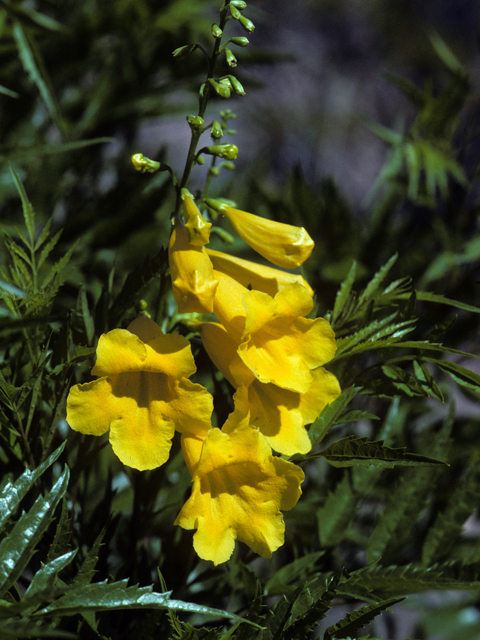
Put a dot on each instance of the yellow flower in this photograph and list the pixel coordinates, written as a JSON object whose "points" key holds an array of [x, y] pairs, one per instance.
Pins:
{"points": [[276, 342], [191, 272], [285, 245], [280, 414], [198, 228], [239, 491], [143, 394], [253, 275]]}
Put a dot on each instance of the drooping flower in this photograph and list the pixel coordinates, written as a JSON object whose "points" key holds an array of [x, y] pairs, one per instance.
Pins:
{"points": [[276, 342], [191, 270], [280, 414], [282, 244], [253, 275], [239, 491], [143, 394]]}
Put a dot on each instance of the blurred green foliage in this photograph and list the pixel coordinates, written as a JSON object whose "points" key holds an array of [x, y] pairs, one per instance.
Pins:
{"points": [[79, 81]]}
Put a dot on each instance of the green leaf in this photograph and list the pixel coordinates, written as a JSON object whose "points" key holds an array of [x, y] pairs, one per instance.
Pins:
{"points": [[374, 284], [330, 415], [344, 292], [462, 376], [25, 153], [104, 596], [348, 626], [337, 512], [12, 493], [87, 571], [28, 212], [33, 65], [44, 580], [294, 571], [19, 628], [352, 451], [48, 248], [448, 524], [17, 548]]}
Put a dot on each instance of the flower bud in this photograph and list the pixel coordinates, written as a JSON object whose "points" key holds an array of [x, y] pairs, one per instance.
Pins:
{"points": [[143, 164], [216, 31], [227, 151], [234, 11], [216, 130], [195, 122], [220, 89], [231, 59], [197, 227], [234, 84], [246, 24], [240, 41], [238, 4]]}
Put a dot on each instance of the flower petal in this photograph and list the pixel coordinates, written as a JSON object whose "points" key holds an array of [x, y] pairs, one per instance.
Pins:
{"points": [[90, 407], [228, 304], [191, 272], [239, 489], [222, 350], [145, 328], [189, 406], [253, 275], [120, 351], [139, 433], [285, 245]]}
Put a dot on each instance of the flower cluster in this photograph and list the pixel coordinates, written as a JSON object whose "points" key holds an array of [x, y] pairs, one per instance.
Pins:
{"points": [[263, 344]]}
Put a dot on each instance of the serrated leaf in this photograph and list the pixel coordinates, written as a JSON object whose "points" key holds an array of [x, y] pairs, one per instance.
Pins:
{"points": [[17, 548], [329, 415], [21, 153], [337, 512], [28, 212], [87, 571], [19, 628], [348, 626], [295, 570], [462, 376], [61, 540], [374, 284], [44, 580], [352, 451], [104, 596], [344, 292], [48, 248], [12, 493]]}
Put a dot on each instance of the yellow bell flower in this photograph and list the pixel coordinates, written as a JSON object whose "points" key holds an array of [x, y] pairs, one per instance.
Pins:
{"points": [[253, 275], [282, 244], [276, 342], [143, 394], [280, 414], [239, 491], [196, 225], [191, 272]]}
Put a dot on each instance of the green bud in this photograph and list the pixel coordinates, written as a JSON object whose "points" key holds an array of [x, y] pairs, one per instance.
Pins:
{"points": [[231, 59], [144, 164], [228, 165], [224, 235], [195, 122], [216, 130], [246, 24], [234, 11], [238, 4], [200, 160], [216, 31], [234, 84], [240, 41], [226, 82], [220, 89], [183, 52], [227, 151], [214, 171]]}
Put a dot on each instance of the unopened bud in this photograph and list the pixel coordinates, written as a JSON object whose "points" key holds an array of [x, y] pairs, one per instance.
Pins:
{"points": [[195, 122], [238, 4], [231, 59], [240, 41], [216, 31], [234, 84], [214, 171], [200, 160], [246, 24], [216, 130], [220, 89], [144, 165], [227, 151], [234, 11]]}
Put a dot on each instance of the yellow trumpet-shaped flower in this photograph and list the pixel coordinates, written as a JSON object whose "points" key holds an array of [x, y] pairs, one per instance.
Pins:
{"points": [[276, 342], [143, 394], [280, 414], [196, 225], [253, 275], [191, 270], [282, 244], [239, 491]]}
